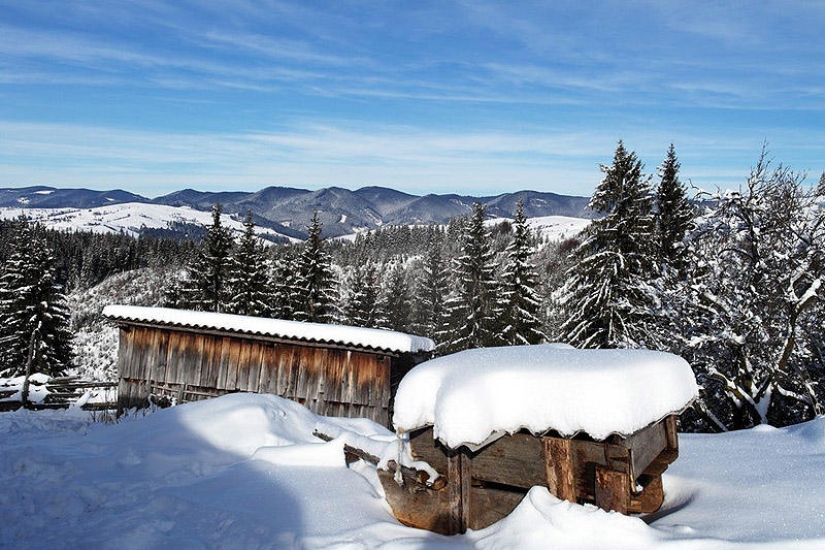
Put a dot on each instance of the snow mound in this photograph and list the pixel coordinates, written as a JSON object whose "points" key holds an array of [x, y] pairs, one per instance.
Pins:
{"points": [[474, 396], [543, 521]]}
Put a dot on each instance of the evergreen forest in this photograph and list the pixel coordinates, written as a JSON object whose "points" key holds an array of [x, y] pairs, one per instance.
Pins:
{"points": [[731, 281]]}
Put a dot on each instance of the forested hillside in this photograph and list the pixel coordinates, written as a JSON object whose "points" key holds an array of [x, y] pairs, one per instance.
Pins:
{"points": [[733, 288]]}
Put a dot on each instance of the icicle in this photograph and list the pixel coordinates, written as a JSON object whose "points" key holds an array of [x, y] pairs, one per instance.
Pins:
{"points": [[399, 479]]}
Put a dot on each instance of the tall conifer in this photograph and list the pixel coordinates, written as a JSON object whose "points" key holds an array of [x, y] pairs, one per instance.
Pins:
{"points": [[674, 212], [607, 296], [249, 281], [317, 285], [520, 301], [33, 307]]}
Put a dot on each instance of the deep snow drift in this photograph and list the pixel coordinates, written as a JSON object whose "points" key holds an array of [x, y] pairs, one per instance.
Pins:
{"points": [[244, 471]]}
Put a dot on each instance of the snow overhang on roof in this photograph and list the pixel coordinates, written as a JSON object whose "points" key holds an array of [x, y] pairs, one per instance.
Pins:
{"points": [[475, 396], [366, 338]]}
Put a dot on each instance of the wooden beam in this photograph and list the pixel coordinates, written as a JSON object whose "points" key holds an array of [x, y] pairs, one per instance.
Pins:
{"points": [[558, 460], [418, 477], [459, 481], [612, 490]]}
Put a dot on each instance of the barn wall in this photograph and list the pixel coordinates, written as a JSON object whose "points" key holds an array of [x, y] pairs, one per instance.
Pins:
{"points": [[191, 366]]}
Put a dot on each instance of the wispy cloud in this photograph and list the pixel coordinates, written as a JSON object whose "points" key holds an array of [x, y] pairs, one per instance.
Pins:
{"points": [[321, 154]]}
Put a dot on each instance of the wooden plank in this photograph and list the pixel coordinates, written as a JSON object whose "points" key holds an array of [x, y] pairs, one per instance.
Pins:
{"points": [[347, 379], [612, 490], [558, 459], [672, 436], [255, 359], [269, 367], [199, 360], [516, 460], [459, 481], [162, 355], [649, 500], [423, 447], [490, 504], [284, 371], [211, 368], [645, 445], [173, 357], [235, 349]]}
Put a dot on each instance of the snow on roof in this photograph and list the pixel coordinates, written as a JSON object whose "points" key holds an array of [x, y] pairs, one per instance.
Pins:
{"points": [[376, 339], [475, 396]]}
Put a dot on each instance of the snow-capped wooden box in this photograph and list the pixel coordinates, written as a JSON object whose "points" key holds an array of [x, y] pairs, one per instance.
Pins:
{"points": [[593, 426], [483, 486]]}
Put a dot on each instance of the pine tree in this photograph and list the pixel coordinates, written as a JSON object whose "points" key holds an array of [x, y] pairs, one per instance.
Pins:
{"points": [[317, 286], [431, 290], [520, 301], [674, 213], [206, 287], [285, 298], [607, 297], [471, 310], [396, 303], [33, 307], [249, 281], [361, 308]]}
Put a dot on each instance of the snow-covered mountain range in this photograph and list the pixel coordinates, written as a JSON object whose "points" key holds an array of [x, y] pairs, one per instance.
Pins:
{"points": [[283, 211]]}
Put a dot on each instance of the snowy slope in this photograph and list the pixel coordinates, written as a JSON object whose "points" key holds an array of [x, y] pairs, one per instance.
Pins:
{"points": [[244, 471], [127, 218], [558, 228]]}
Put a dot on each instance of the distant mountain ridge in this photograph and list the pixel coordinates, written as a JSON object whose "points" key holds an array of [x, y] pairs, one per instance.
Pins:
{"points": [[288, 210]]}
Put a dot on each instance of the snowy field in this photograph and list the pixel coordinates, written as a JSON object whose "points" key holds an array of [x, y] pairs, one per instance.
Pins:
{"points": [[126, 218], [244, 471]]}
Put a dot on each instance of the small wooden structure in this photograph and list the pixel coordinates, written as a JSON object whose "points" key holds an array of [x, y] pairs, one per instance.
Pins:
{"points": [[188, 356], [483, 486], [592, 426]]}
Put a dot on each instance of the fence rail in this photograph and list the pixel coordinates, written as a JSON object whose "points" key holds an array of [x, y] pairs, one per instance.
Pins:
{"points": [[61, 394]]}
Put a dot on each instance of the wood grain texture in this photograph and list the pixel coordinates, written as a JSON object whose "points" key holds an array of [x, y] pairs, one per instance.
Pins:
{"points": [[188, 365]]}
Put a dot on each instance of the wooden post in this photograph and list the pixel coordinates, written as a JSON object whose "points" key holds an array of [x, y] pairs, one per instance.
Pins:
{"points": [[558, 460], [24, 394], [612, 490], [458, 487]]}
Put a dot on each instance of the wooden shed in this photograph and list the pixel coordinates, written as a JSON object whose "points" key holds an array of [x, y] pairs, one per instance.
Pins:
{"points": [[333, 370]]}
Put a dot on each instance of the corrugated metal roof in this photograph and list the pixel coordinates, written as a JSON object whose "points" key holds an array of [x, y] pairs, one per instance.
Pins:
{"points": [[367, 338]]}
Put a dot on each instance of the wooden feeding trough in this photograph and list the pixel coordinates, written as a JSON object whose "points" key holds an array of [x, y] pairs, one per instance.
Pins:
{"points": [[334, 370], [483, 477]]}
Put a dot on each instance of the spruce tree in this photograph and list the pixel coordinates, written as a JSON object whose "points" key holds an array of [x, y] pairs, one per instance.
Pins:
{"points": [[33, 307], [317, 284], [674, 213], [362, 308], [431, 289], [207, 285], [471, 311], [285, 299], [249, 281], [520, 300], [607, 297], [396, 303]]}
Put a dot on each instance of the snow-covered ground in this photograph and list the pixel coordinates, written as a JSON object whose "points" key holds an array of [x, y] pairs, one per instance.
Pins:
{"points": [[244, 471], [558, 228], [126, 218]]}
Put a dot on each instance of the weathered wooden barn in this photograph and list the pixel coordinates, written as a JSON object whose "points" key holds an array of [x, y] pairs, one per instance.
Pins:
{"points": [[334, 370]]}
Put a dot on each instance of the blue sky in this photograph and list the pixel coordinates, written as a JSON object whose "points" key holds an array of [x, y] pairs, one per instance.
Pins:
{"points": [[466, 97]]}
